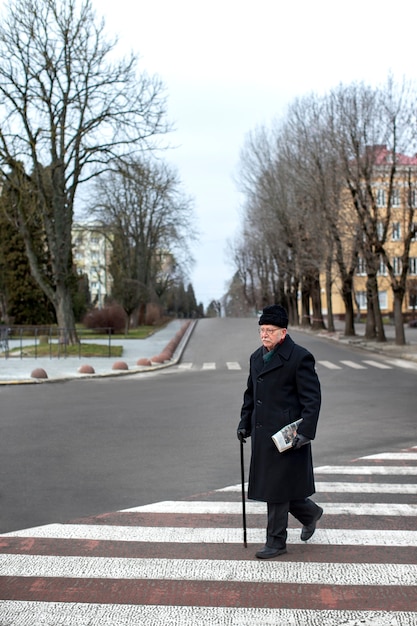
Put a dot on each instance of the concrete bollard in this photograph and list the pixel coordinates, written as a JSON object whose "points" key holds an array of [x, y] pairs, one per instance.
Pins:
{"points": [[39, 372], [120, 365]]}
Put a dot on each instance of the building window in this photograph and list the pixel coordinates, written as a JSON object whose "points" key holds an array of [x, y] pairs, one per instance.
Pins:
{"points": [[412, 198], [413, 266], [396, 231], [380, 231], [397, 265], [380, 197], [414, 228], [361, 270], [383, 300], [361, 300], [382, 268], [395, 197]]}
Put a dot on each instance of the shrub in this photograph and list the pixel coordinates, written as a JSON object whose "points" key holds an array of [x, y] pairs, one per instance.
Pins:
{"points": [[113, 317]]}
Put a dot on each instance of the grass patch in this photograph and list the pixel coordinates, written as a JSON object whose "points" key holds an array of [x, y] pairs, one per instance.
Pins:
{"points": [[141, 332], [90, 350]]}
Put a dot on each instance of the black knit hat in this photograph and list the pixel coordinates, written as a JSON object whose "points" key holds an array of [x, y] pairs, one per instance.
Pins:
{"points": [[274, 314]]}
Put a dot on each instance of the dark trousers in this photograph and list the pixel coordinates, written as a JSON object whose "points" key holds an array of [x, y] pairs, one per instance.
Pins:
{"points": [[305, 511]]}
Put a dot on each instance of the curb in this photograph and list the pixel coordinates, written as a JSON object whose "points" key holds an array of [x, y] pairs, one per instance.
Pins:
{"points": [[388, 349]]}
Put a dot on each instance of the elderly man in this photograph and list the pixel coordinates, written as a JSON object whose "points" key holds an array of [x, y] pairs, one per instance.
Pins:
{"points": [[282, 387]]}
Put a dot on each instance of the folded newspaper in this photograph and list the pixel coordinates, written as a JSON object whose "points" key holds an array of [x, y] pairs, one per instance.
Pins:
{"points": [[283, 438]]}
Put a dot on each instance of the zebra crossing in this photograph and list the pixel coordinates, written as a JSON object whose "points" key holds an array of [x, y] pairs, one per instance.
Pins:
{"points": [[184, 562], [329, 365]]}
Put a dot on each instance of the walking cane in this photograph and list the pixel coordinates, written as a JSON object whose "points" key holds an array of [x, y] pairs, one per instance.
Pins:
{"points": [[242, 473]]}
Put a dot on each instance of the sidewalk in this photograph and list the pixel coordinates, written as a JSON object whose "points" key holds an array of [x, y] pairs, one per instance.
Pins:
{"points": [[17, 370], [389, 348]]}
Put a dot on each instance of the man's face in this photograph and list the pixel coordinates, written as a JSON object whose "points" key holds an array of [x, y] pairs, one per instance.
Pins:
{"points": [[271, 335]]}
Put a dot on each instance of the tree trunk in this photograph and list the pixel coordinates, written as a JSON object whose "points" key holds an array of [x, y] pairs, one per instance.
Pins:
{"points": [[398, 319], [292, 299], [318, 322], [374, 323], [65, 316], [142, 314], [330, 318], [348, 302], [305, 305]]}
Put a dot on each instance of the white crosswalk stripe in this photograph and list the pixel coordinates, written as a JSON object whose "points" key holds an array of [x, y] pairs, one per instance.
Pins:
{"points": [[214, 535], [330, 365], [354, 365], [182, 563], [160, 615], [185, 366], [393, 456], [233, 365], [379, 365], [345, 487], [369, 470], [200, 569], [256, 508]]}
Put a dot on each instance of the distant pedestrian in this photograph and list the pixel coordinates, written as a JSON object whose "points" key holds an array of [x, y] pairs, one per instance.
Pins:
{"points": [[282, 387]]}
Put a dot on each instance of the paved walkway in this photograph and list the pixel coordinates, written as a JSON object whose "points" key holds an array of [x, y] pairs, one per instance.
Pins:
{"points": [[18, 370], [389, 348]]}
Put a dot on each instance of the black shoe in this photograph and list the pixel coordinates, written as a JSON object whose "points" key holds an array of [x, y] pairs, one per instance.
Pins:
{"points": [[269, 553], [308, 531]]}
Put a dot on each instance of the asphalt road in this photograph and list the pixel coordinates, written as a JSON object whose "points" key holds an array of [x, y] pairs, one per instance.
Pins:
{"points": [[84, 447]]}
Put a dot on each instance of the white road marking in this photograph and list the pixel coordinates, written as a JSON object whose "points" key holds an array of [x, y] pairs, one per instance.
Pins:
{"points": [[168, 534], [368, 470], [330, 365], [337, 487], [289, 572], [196, 507], [404, 363], [381, 366], [354, 365], [233, 365], [393, 456], [74, 614]]}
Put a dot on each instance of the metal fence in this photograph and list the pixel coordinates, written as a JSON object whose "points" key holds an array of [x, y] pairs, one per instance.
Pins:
{"points": [[25, 341]]}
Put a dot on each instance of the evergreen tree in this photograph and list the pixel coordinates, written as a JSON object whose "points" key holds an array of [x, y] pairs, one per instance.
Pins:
{"points": [[23, 300]]}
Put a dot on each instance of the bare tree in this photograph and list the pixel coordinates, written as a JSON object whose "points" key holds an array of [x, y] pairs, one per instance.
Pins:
{"points": [[67, 111], [374, 126], [268, 227], [398, 102], [150, 221], [337, 233], [313, 200]]}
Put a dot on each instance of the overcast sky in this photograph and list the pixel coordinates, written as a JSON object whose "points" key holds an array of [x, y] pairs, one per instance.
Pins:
{"points": [[232, 65]]}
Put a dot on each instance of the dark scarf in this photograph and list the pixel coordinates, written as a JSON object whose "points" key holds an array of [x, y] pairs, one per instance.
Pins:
{"points": [[268, 355]]}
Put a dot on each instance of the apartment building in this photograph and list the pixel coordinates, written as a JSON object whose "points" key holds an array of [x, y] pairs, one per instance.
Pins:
{"points": [[403, 203], [91, 254]]}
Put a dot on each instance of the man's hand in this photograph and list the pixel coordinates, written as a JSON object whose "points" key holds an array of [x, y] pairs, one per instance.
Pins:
{"points": [[242, 434], [300, 440]]}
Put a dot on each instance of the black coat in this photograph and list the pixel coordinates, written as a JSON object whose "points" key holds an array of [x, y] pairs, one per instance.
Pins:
{"points": [[279, 392]]}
